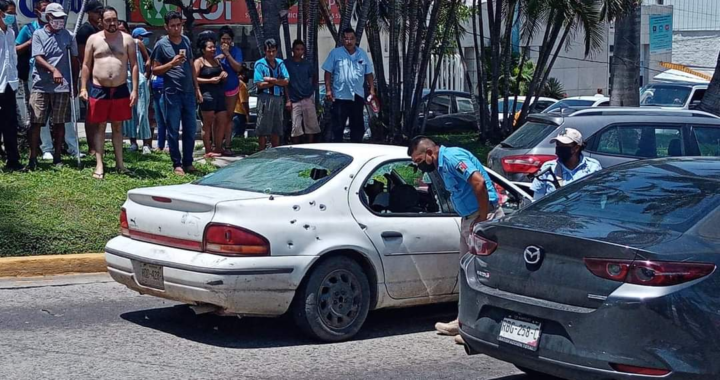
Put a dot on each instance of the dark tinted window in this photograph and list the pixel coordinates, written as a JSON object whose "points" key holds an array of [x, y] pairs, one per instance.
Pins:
{"points": [[659, 195], [708, 140], [529, 135], [440, 105], [285, 171], [641, 141]]}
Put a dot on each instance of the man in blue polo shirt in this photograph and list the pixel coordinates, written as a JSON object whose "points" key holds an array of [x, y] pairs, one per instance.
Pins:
{"points": [[347, 68], [571, 165], [472, 193], [271, 78]]}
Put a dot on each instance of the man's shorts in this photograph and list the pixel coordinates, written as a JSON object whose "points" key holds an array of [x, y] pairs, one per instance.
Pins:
{"points": [[270, 110], [109, 104], [304, 115], [54, 105]]}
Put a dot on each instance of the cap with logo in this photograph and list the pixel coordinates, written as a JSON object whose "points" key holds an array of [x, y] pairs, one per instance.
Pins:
{"points": [[568, 136]]}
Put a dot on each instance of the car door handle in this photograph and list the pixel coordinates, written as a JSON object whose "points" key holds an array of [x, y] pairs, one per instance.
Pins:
{"points": [[391, 235]]}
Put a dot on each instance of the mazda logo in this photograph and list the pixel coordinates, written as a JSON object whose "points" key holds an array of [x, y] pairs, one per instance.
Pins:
{"points": [[533, 255]]}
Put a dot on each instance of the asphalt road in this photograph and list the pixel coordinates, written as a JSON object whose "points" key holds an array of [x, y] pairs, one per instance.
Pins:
{"points": [[88, 327]]}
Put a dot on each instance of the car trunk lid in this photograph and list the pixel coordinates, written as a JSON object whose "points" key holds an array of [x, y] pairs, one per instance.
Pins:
{"points": [[176, 215], [549, 266]]}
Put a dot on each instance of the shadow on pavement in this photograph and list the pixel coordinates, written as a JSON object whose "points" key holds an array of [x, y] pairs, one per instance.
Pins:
{"points": [[250, 333]]}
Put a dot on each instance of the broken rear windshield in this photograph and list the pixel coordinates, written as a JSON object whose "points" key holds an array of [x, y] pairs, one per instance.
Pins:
{"points": [[284, 171]]}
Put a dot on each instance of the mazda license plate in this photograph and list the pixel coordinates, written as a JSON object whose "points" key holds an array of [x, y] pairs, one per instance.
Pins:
{"points": [[151, 275], [520, 333]]}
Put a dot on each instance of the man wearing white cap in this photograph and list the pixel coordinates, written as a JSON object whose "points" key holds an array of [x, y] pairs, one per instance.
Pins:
{"points": [[570, 166], [51, 76]]}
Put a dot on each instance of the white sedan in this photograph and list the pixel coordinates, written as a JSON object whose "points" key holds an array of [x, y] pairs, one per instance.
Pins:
{"points": [[326, 232]]}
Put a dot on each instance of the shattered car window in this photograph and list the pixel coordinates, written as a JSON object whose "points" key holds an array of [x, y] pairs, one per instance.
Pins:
{"points": [[286, 171]]}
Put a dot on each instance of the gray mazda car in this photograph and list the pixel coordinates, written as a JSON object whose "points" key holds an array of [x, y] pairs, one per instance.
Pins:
{"points": [[610, 277]]}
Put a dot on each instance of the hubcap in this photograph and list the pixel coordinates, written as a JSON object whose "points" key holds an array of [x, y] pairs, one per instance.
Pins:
{"points": [[339, 299]]}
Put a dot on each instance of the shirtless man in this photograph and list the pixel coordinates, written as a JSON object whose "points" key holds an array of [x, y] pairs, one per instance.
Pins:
{"points": [[107, 55]]}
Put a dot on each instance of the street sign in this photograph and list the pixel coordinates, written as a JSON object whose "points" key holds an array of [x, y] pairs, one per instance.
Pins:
{"points": [[661, 33]]}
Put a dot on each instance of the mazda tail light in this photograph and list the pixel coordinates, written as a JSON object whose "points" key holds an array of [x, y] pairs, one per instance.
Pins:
{"points": [[639, 370], [227, 240], [124, 226], [647, 272], [525, 164], [481, 246]]}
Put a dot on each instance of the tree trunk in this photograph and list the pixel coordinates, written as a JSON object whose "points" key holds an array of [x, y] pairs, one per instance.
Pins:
{"points": [[481, 113], [394, 54], [312, 32], [362, 20], [329, 22], [257, 27], [507, 58], [494, 15], [552, 30], [286, 27], [549, 67], [626, 60], [301, 21], [711, 101], [271, 19], [347, 15]]}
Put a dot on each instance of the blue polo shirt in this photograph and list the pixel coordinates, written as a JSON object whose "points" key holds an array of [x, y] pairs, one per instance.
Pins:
{"points": [[564, 175], [456, 166], [348, 72], [263, 69]]}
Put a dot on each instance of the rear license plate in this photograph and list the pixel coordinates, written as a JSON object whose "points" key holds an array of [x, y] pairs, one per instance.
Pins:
{"points": [[520, 333], [151, 275]]}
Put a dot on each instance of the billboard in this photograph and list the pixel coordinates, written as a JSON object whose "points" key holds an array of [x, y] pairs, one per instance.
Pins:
{"points": [[661, 33], [226, 13]]}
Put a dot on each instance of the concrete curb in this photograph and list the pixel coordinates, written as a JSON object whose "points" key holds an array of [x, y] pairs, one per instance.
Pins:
{"points": [[51, 265]]}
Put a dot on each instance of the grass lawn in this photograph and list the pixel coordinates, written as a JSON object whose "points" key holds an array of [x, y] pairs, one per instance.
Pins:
{"points": [[59, 211]]}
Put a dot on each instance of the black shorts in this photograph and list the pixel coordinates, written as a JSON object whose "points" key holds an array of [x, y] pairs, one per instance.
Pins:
{"points": [[213, 101]]}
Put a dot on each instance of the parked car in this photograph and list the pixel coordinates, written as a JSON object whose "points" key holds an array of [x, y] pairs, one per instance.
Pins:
{"points": [[325, 232], [613, 136], [673, 95], [611, 277], [578, 101], [449, 112], [541, 104]]}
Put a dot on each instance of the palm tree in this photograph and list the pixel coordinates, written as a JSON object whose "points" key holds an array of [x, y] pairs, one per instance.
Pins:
{"points": [[271, 18], [625, 66], [257, 26]]}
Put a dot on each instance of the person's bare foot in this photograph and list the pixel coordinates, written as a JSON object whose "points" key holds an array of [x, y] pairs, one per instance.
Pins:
{"points": [[122, 170], [179, 171], [98, 175]]}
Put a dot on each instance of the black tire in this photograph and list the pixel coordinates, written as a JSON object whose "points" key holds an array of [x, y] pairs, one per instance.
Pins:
{"points": [[535, 375], [322, 308]]}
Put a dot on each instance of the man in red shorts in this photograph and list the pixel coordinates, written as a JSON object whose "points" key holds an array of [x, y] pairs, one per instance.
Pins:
{"points": [[107, 56]]}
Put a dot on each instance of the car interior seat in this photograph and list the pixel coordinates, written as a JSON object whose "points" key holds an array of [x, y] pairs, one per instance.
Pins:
{"points": [[675, 148]]}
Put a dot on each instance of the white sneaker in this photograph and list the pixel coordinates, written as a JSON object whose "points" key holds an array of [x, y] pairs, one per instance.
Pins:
{"points": [[47, 156], [146, 150]]}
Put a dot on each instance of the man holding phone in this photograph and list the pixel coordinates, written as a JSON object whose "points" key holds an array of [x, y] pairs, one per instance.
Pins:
{"points": [[171, 59]]}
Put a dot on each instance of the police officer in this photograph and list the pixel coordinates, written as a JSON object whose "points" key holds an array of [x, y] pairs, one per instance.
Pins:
{"points": [[570, 166], [472, 193]]}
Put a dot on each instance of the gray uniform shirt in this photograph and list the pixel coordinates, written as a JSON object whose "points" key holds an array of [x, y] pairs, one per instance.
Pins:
{"points": [[54, 48]]}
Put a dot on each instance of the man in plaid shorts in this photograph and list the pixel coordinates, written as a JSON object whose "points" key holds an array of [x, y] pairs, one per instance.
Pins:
{"points": [[50, 97]]}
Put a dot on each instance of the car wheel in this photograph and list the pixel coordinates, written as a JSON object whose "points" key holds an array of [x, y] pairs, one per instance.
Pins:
{"points": [[332, 303], [535, 375]]}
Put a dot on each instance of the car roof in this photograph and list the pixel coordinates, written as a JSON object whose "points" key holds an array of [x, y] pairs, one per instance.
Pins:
{"points": [[426, 92], [357, 151], [684, 166], [678, 84], [522, 98], [586, 97]]}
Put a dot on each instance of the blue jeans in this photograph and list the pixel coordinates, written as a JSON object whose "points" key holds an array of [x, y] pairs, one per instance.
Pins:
{"points": [[159, 106], [180, 107]]}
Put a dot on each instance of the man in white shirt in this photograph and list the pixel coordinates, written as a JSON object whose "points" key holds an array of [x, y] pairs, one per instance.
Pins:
{"points": [[8, 86]]}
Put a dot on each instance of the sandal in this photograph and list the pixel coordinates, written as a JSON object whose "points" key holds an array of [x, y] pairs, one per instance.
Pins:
{"points": [[123, 170], [99, 176]]}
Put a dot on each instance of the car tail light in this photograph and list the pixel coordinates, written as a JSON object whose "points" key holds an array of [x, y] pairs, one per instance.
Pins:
{"points": [[648, 273], [481, 246], [525, 164], [229, 240], [639, 370], [124, 226]]}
